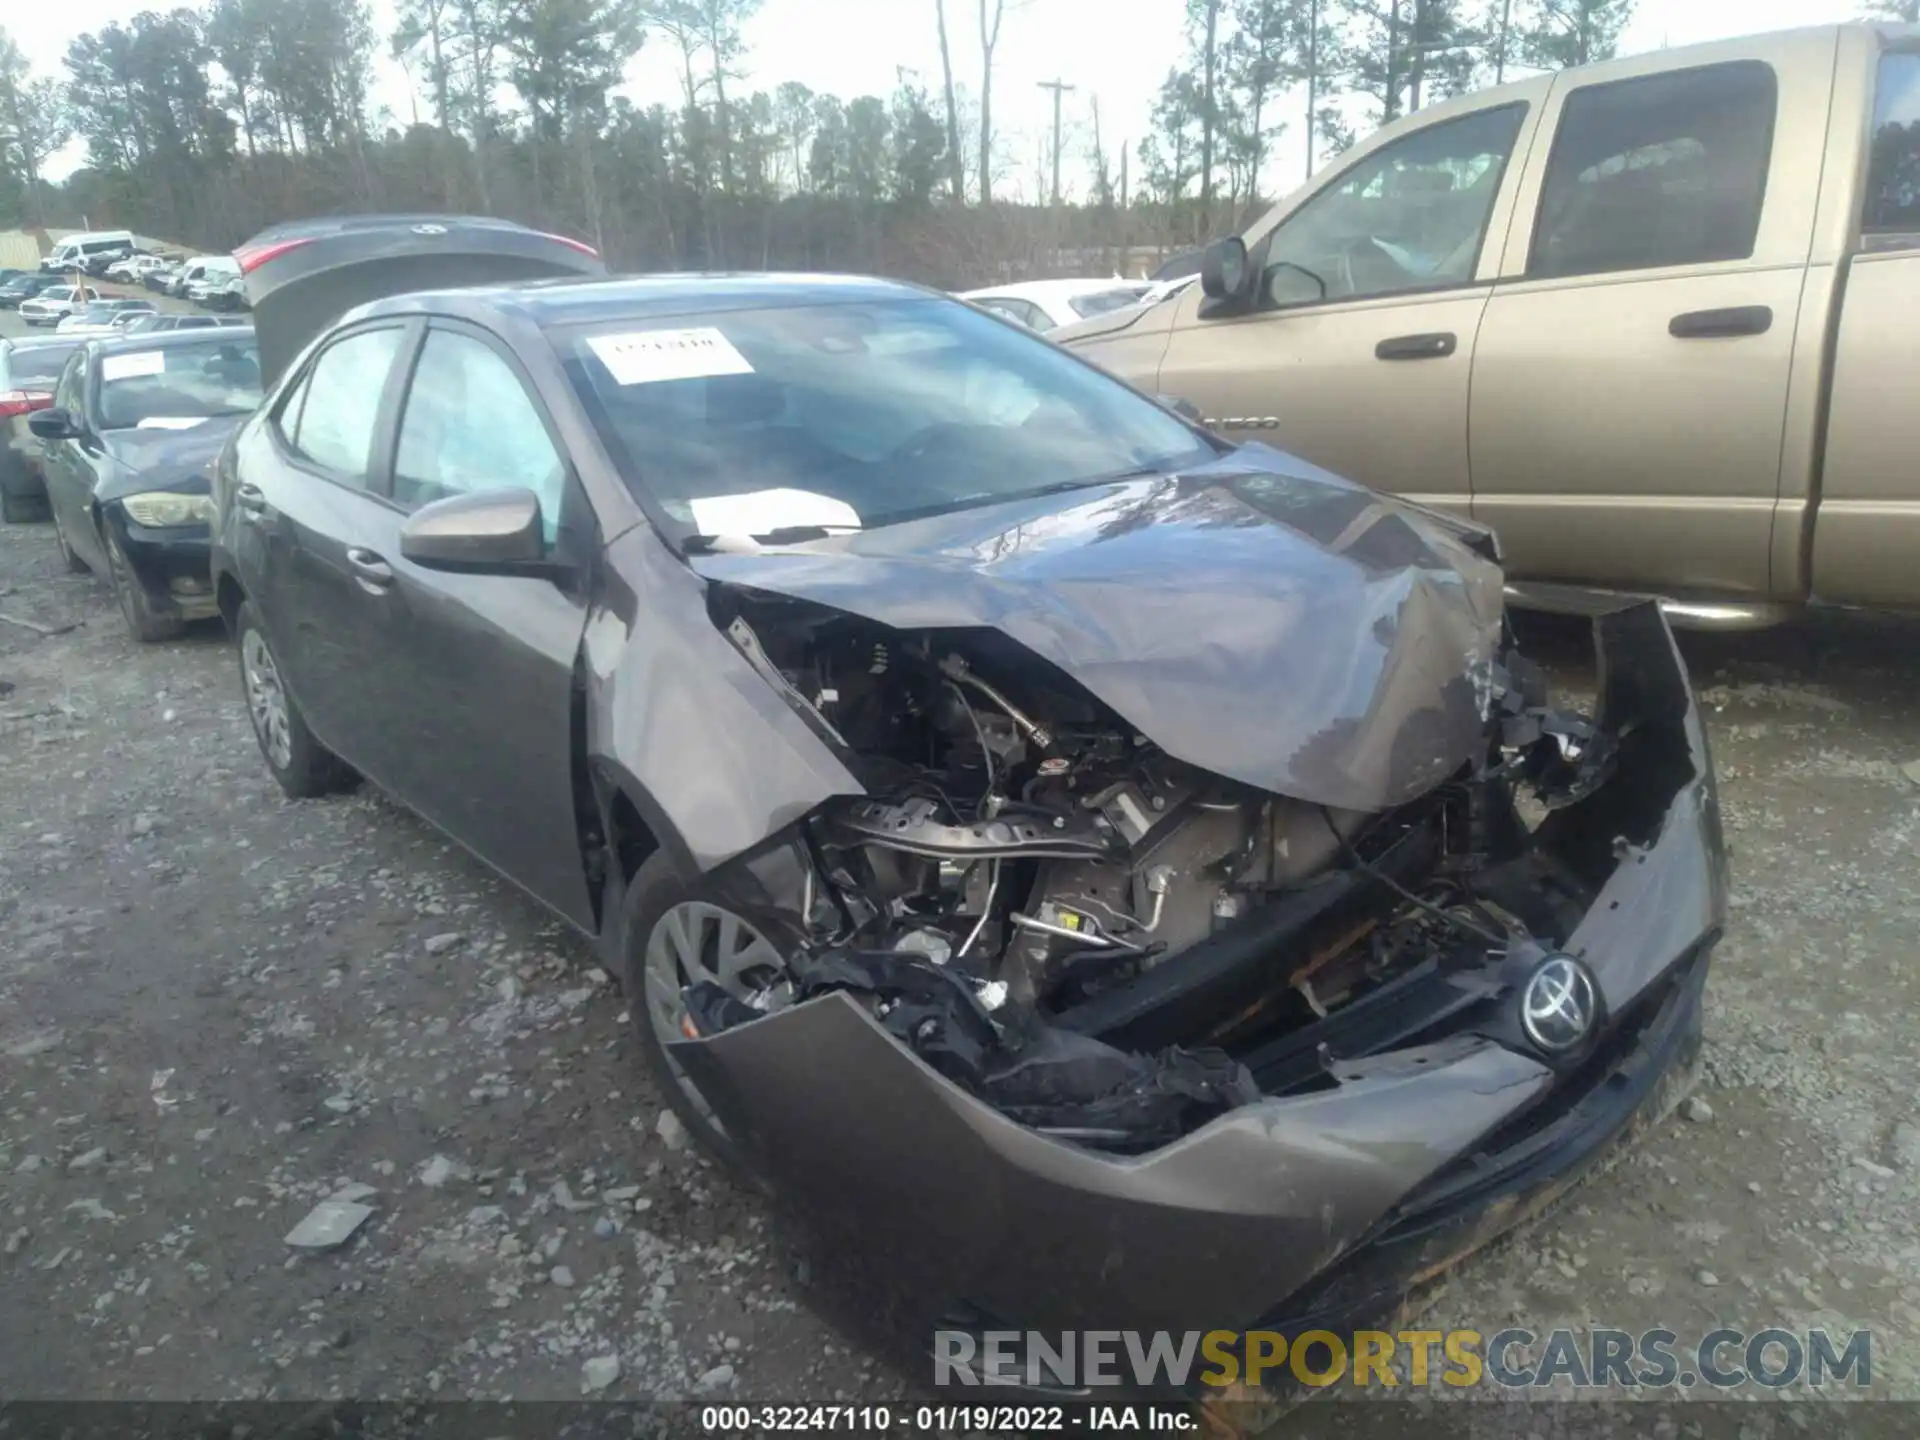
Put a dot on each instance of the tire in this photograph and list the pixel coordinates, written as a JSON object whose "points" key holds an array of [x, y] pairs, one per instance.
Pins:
{"points": [[303, 766], [144, 623], [654, 892], [74, 563]]}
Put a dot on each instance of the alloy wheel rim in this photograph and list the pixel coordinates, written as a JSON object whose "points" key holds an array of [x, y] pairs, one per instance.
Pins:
{"points": [[696, 941], [266, 699]]}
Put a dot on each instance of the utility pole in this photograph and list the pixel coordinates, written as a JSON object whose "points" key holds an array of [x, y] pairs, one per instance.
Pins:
{"points": [[1058, 88]]}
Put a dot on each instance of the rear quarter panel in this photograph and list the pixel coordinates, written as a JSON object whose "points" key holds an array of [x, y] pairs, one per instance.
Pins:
{"points": [[1866, 533]]}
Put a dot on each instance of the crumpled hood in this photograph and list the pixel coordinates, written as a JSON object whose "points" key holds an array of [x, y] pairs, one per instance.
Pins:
{"points": [[162, 459], [1257, 616]]}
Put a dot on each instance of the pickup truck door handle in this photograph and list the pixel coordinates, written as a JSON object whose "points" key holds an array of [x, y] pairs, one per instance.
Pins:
{"points": [[1720, 324], [1436, 346], [369, 569], [252, 499]]}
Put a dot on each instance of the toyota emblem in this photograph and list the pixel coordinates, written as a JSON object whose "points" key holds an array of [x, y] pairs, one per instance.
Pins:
{"points": [[1559, 1005]]}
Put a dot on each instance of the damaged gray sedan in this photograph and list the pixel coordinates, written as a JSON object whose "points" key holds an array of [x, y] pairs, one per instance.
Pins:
{"points": [[1098, 876]]}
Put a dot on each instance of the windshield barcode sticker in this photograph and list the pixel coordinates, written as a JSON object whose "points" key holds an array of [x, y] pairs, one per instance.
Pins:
{"points": [[125, 367], [644, 357]]}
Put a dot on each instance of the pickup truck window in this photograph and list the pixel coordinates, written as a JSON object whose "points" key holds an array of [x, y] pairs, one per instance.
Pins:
{"points": [[1411, 216], [1892, 216], [1669, 169]]}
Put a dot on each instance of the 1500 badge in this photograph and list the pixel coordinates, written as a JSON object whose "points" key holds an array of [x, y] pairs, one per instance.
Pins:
{"points": [[1246, 422]]}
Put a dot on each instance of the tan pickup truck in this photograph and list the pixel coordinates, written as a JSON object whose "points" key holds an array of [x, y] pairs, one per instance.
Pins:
{"points": [[1656, 321]]}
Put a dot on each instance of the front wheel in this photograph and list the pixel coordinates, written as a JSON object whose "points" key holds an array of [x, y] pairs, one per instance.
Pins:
{"points": [[145, 623], [678, 935], [303, 766]]}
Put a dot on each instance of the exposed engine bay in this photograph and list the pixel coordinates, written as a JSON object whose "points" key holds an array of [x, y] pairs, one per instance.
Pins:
{"points": [[1112, 945]]}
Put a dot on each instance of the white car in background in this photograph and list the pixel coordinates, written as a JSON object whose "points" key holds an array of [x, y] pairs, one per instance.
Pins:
{"points": [[134, 268], [214, 277], [102, 317], [1043, 304], [55, 303]]}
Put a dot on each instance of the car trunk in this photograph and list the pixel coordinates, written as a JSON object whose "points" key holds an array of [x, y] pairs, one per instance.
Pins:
{"points": [[302, 277]]}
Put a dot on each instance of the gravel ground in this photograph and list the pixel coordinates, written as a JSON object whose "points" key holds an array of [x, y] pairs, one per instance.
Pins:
{"points": [[218, 1008]]}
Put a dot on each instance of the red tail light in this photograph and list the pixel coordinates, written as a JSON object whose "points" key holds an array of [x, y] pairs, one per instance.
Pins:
{"points": [[570, 242], [21, 402], [251, 260]]}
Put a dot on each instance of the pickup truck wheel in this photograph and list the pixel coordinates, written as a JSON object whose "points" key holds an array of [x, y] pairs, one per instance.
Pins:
{"points": [[304, 767], [676, 935]]}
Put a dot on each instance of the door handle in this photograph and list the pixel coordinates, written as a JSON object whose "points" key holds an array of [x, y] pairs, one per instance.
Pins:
{"points": [[369, 569], [252, 499], [1719, 324], [1436, 346]]}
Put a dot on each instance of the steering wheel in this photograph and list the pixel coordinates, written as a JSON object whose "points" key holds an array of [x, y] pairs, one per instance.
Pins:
{"points": [[1366, 267], [920, 445]]}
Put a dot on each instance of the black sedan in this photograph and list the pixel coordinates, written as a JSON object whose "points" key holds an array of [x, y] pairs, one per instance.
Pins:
{"points": [[25, 287], [29, 368], [128, 438], [1074, 859]]}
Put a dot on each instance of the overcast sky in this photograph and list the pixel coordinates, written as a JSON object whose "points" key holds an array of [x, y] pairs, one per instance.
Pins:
{"points": [[1118, 50]]}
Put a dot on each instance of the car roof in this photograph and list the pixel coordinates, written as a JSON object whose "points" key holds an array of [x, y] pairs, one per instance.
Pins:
{"points": [[1053, 289], [38, 342], [585, 302], [166, 339]]}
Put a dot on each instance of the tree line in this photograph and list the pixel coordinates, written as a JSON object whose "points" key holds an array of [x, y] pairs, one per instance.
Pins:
{"points": [[204, 124]]}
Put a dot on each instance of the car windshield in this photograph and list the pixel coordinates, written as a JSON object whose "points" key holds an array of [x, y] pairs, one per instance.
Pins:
{"points": [[856, 414], [179, 385], [1100, 303]]}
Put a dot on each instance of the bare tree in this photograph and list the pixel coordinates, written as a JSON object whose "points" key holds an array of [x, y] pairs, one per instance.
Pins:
{"points": [[33, 121], [989, 37], [1209, 18], [955, 159]]}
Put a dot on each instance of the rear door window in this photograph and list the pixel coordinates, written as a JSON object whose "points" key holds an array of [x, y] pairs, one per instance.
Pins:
{"points": [[1668, 169], [334, 415], [1892, 218]]}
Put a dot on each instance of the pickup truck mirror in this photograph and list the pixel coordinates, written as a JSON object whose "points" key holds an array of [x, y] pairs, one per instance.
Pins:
{"points": [[1182, 407], [490, 532], [53, 425], [1223, 269]]}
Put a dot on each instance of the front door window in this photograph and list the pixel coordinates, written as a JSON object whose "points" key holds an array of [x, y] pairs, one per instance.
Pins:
{"points": [[1411, 216]]}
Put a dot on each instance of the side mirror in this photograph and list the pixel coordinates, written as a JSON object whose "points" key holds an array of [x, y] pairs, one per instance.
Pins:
{"points": [[53, 425], [492, 532], [1182, 407], [1223, 269]]}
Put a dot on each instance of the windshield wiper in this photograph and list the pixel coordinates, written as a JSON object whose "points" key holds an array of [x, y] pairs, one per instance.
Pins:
{"points": [[779, 535], [999, 497]]}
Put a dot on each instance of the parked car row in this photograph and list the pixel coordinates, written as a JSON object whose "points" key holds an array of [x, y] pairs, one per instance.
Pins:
{"points": [[210, 280]]}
